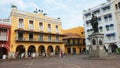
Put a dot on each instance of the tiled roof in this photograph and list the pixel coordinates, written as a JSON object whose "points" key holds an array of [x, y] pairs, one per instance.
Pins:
{"points": [[72, 35]]}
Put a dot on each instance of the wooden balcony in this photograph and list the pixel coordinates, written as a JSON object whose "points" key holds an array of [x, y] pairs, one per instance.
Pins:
{"points": [[38, 32], [75, 44], [37, 40]]}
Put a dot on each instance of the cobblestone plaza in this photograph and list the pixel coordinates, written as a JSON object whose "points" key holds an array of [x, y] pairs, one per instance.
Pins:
{"points": [[72, 61]]}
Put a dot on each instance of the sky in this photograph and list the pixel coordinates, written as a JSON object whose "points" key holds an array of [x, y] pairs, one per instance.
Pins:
{"points": [[70, 11]]}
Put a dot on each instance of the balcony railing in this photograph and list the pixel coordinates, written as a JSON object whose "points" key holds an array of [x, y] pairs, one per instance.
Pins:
{"points": [[75, 44], [31, 27], [41, 28], [49, 30], [21, 26], [20, 39], [57, 31], [5, 21], [3, 38]]}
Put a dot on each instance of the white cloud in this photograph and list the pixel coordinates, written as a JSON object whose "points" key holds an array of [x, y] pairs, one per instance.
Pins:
{"points": [[55, 4], [4, 2]]}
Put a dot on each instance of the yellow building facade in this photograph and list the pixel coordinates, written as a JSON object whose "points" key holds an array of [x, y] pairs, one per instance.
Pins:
{"points": [[75, 40], [34, 34]]}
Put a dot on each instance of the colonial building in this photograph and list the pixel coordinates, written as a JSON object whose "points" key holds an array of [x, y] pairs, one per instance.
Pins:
{"points": [[34, 34], [5, 28], [75, 41], [108, 14]]}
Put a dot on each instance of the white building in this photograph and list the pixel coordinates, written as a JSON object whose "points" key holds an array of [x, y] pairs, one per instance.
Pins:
{"points": [[108, 14]]}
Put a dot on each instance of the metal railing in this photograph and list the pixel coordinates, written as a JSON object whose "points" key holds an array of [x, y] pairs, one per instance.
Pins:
{"points": [[3, 38], [31, 27], [49, 30], [21, 26], [5, 21], [36, 39]]}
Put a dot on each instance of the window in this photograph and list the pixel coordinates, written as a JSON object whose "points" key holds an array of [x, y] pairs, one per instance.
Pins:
{"points": [[78, 41], [119, 5], [107, 28], [68, 41], [41, 26], [111, 26], [88, 31], [31, 26], [21, 23], [49, 37], [116, 6], [57, 37], [20, 36], [57, 28], [100, 29], [110, 37], [113, 36], [88, 23], [30, 36], [40, 37], [99, 19], [49, 27], [91, 30], [105, 9], [73, 41], [3, 32], [82, 32], [96, 12], [108, 17]]}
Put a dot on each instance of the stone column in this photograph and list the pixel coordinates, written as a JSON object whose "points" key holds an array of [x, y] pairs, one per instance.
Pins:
{"points": [[36, 53], [46, 54], [71, 50], [26, 53], [11, 55], [53, 51]]}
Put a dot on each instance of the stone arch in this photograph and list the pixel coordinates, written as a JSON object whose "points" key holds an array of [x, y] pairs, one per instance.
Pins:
{"points": [[41, 50], [3, 51], [31, 51], [20, 51], [112, 48], [50, 50], [57, 50]]}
